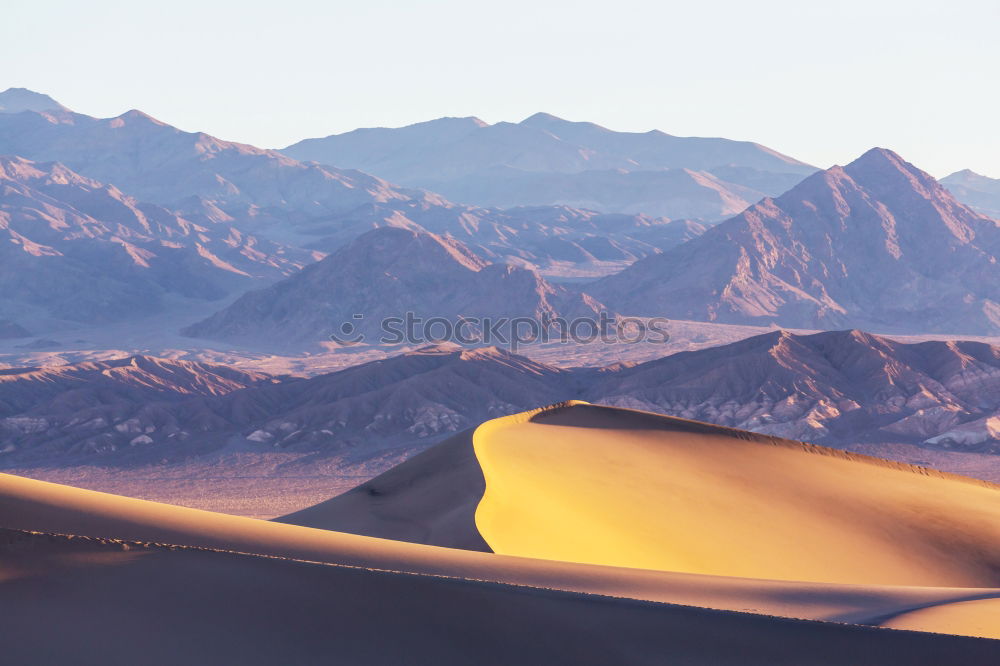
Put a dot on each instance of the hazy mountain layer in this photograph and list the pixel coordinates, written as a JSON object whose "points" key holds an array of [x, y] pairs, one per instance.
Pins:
{"points": [[545, 160], [975, 191]]}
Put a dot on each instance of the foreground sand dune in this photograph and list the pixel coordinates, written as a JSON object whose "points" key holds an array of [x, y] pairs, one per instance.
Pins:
{"points": [[96, 604], [55, 509], [270, 586]]}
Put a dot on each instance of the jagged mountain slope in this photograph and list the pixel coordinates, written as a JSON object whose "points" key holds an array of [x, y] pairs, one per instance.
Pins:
{"points": [[877, 244], [838, 388], [82, 250], [142, 409], [391, 273]]}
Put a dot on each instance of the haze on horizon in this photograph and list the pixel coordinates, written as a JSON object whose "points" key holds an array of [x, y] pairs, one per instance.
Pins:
{"points": [[821, 83]]}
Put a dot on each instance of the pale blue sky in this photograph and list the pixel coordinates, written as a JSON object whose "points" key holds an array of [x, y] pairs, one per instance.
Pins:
{"points": [[821, 82]]}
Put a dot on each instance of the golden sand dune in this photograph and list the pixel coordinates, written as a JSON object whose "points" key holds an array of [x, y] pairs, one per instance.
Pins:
{"points": [[584, 483], [671, 512]]}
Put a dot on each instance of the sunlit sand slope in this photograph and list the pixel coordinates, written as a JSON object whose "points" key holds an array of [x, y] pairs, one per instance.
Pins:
{"points": [[583, 483]]}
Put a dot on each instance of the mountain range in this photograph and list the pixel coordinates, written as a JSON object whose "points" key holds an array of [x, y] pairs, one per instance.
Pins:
{"points": [[836, 388], [223, 215], [976, 191], [143, 409], [876, 244], [100, 407], [207, 180], [545, 160], [62, 230]]}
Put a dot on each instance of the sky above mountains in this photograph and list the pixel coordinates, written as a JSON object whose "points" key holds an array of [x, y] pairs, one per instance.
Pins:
{"points": [[820, 82]]}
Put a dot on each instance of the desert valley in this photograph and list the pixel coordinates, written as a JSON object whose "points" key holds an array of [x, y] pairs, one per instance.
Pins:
{"points": [[767, 430]]}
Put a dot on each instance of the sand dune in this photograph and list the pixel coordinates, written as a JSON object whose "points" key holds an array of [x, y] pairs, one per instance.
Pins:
{"points": [[155, 606], [251, 591], [639, 490], [55, 509]]}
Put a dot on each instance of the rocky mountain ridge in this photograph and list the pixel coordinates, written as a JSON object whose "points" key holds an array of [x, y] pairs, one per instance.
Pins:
{"points": [[838, 388]]}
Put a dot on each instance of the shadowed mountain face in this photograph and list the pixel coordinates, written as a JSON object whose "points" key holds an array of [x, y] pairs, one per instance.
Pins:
{"points": [[390, 272], [975, 191], [837, 388], [878, 244], [545, 160], [60, 231]]}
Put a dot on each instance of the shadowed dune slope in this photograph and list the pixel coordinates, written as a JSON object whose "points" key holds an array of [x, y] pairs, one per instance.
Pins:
{"points": [[429, 499], [584, 483], [156, 606]]}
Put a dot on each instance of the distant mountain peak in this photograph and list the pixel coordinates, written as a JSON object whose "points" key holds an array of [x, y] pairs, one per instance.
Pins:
{"points": [[445, 123], [134, 116], [542, 117], [976, 190], [461, 120], [16, 100], [881, 158], [544, 120], [972, 178]]}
